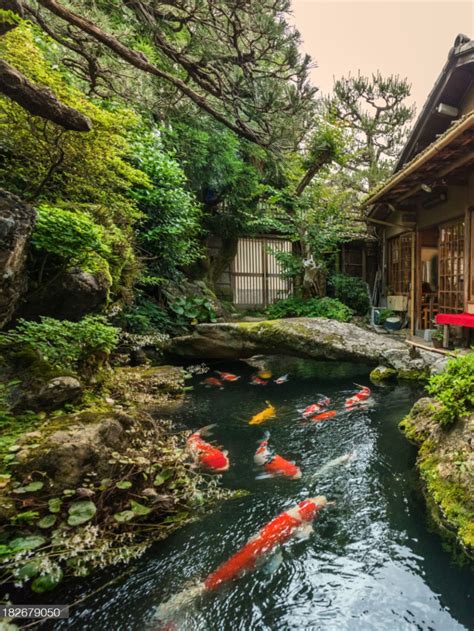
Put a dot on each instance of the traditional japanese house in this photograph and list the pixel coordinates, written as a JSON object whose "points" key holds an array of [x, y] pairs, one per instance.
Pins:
{"points": [[424, 212]]}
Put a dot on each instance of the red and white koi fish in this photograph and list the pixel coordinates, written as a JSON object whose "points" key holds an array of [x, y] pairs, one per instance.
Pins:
{"points": [[323, 416], [315, 408], [324, 402], [282, 379], [273, 463], [361, 396], [205, 455], [294, 522], [227, 376], [212, 381], [255, 380]]}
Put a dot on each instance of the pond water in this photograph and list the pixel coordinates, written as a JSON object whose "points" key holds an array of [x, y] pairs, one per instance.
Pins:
{"points": [[371, 563]]}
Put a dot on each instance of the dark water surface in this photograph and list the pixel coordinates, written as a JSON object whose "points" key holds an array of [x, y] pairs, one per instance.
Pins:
{"points": [[371, 563]]}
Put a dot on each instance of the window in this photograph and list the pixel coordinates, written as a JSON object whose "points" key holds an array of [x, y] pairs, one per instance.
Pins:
{"points": [[399, 264], [451, 268]]}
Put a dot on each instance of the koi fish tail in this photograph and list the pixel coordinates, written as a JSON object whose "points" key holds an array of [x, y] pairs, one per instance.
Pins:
{"points": [[266, 436], [174, 606]]}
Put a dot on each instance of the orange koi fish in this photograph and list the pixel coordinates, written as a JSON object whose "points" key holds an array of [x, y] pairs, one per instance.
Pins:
{"points": [[291, 523], [359, 397], [312, 409], [255, 380], [227, 376], [324, 415], [212, 381], [266, 414], [273, 463], [204, 454], [265, 374]]}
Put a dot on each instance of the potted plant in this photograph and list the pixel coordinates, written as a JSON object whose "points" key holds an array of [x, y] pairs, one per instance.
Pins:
{"points": [[437, 338]]}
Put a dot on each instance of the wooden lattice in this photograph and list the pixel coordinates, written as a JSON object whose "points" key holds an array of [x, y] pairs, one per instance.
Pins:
{"points": [[451, 268], [399, 264]]}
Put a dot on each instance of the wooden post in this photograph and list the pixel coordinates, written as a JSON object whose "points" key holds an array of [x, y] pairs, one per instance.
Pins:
{"points": [[412, 284], [445, 335]]}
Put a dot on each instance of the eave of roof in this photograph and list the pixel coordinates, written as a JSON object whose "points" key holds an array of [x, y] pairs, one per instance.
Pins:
{"points": [[457, 128], [457, 52]]}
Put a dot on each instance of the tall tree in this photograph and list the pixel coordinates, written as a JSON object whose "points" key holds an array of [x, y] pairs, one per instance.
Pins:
{"points": [[376, 118], [236, 60]]}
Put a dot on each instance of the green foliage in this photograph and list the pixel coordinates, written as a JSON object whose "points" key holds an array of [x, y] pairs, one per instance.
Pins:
{"points": [[225, 173], [193, 310], [40, 160], [65, 345], [170, 224], [454, 389], [312, 308], [384, 314], [81, 512], [145, 317], [351, 291]]}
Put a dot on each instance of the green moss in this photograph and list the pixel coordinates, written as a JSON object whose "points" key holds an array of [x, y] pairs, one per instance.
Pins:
{"points": [[454, 502], [441, 462], [413, 374], [382, 373]]}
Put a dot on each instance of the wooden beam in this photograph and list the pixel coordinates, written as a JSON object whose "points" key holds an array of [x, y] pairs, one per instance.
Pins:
{"points": [[457, 163], [384, 223], [412, 284], [430, 348]]}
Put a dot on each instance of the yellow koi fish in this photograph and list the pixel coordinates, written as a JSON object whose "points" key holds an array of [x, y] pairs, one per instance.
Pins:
{"points": [[266, 414]]}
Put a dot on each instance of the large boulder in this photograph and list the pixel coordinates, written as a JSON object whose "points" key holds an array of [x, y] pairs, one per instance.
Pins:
{"points": [[312, 338], [16, 224], [71, 296], [52, 395]]}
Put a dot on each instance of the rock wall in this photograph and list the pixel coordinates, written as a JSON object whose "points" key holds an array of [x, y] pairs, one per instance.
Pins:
{"points": [[446, 466], [16, 224]]}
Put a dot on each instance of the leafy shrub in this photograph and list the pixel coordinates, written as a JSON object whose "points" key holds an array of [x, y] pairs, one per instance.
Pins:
{"points": [[65, 345], [454, 389], [351, 291], [193, 310], [64, 239], [313, 308], [170, 226], [145, 317]]}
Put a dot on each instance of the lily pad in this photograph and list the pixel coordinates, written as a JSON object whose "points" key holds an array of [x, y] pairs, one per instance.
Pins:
{"points": [[161, 477], [29, 488], [139, 509], [47, 522], [54, 504], [22, 544], [81, 512], [29, 570], [4, 480], [124, 516], [47, 582], [123, 485]]}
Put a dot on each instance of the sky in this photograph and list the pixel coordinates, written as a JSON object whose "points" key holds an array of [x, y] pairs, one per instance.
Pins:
{"points": [[404, 37]]}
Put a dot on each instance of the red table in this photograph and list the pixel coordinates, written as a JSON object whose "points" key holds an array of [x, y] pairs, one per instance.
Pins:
{"points": [[455, 319]]}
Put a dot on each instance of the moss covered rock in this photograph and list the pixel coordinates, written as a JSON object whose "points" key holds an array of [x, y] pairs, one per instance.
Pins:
{"points": [[446, 465], [315, 338]]}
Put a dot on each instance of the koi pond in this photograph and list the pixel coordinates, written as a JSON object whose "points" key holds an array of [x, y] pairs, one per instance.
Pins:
{"points": [[372, 562]]}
